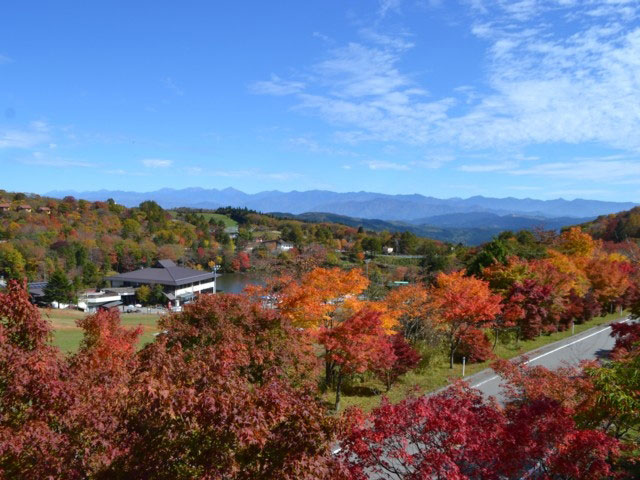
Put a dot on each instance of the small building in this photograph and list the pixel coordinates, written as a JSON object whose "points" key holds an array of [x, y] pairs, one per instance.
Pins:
{"points": [[5, 207], [232, 231], [93, 300], [285, 246], [36, 292], [24, 208], [179, 284], [277, 245], [46, 210]]}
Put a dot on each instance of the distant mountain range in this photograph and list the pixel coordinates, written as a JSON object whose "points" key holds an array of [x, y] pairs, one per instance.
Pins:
{"points": [[414, 208], [466, 228]]}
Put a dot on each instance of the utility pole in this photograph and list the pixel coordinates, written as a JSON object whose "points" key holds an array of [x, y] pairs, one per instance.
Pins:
{"points": [[464, 363]]}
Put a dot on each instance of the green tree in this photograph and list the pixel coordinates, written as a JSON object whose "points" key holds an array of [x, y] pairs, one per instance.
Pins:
{"points": [[143, 294], [131, 228], [90, 274], [59, 288], [157, 295], [407, 243], [12, 263]]}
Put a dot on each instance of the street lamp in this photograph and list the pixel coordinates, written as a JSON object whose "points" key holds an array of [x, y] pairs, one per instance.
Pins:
{"points": [[215, 278]]}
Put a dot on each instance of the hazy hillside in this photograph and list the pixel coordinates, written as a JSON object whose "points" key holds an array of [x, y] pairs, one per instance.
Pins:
{"points": [[358, 204], [473, 229], [616, 227]]}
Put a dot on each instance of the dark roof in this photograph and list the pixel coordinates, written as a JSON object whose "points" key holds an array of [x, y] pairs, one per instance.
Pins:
{"points": [[167, 274], [110, 304]]}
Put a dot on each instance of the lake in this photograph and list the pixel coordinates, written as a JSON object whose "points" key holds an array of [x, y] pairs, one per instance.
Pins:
{"points": [[235, 282]]}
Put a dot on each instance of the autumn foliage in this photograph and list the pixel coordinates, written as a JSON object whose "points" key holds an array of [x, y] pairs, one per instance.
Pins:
{"points": [[226, 392], [462, 304], [458, 434]]}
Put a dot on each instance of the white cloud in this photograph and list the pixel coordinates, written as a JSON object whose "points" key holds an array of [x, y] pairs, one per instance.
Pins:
{"points": [[597, 170], [36, 135], [554, 75], [276, 86], [382, 165], [487, 167], [171, 85], [386, 6], [156, 163], [434, 160], [41, 159], [122, 172], [254, 173]]}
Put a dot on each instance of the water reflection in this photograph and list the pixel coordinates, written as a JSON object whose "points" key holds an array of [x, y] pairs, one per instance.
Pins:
{"points": [[235, 282]]}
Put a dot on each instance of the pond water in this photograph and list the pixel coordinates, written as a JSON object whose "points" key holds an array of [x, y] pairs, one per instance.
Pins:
{"points": [[235, 282]]}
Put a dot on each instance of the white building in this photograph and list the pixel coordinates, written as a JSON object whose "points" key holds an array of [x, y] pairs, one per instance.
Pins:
{"points": [[179, 284]]}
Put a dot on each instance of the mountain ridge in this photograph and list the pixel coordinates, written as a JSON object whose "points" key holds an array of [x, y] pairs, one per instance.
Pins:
{"points": [[362, 204], [447, 228]]}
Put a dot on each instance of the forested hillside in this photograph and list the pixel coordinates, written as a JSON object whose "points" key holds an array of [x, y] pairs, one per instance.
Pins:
{"points": [[90, 240], [616, 227]]}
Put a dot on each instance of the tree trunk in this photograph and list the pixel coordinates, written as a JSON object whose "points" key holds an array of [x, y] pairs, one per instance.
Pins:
{"points": [[328, 371], [495, 340], [453, 346], [338, 390]]}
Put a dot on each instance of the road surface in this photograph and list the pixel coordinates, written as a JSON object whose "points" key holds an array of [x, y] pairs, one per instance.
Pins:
{"points": [[589, 345]]}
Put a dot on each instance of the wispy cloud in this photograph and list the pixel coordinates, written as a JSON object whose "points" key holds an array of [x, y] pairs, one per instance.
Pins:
{"points": [[382, 165], [311, 145], [4, 59], [434, 160], [276, 86], [487, 167], [42, 159], [37, 134], [171, 85], [156, 163], [554, 75], [127, 173], [386, 6], [253, 173], [593, 170]]}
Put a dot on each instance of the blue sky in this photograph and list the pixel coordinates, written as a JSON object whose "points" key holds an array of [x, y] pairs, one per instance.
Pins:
{"points": [[523, 98]]}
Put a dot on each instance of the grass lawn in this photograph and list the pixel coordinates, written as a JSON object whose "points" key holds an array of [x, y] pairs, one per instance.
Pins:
{"points": [[228, 222], [67, 335], [366, 394]]}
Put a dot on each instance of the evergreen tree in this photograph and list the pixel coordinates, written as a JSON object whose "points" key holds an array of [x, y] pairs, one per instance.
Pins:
{"points": [[59, 288]]}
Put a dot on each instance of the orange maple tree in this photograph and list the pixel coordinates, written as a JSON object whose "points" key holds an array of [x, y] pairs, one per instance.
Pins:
{"points": [[313, 301], [462, 303]]}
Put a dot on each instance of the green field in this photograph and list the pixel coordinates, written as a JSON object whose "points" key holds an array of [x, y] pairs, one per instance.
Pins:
{"points": [[367, 392], [364, 392], [228, 222], [67, 335]]}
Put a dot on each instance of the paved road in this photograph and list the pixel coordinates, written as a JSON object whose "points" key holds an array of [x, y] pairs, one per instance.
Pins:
{"points": [[590, 344]]}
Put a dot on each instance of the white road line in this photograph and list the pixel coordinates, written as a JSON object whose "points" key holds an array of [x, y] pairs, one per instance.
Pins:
{"points": [[552, 351]]}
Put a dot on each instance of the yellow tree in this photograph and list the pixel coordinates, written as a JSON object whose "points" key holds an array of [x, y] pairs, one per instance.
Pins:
{"points": [[577, 244]]}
